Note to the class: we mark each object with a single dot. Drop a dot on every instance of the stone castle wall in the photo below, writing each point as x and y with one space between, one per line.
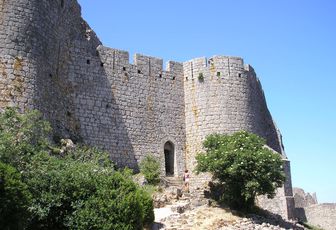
51 60
303 199
308 210
18 52
130 109
320 215
283 203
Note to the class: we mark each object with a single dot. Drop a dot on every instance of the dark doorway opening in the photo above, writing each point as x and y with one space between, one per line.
169 158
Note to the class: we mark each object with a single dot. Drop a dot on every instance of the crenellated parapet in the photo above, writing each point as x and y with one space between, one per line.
142 66
130 108
217 66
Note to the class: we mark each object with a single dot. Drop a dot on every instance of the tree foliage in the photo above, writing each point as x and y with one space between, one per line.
150 168
22 136
79 189
14 199
243 167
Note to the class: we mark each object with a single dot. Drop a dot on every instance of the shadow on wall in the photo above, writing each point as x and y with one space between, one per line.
71 86
265 125
102 122
300 214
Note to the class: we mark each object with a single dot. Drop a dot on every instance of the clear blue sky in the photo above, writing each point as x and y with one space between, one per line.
290 43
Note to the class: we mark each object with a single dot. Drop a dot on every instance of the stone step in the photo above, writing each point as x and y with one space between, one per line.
173 181
198 193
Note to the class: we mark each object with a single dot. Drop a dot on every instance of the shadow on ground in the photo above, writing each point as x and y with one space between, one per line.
257 215
156 226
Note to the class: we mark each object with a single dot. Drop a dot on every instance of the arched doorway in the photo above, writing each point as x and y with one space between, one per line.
169 158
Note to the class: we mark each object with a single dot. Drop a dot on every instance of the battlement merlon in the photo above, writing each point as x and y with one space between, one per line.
112 56
248 68
174 67
145 64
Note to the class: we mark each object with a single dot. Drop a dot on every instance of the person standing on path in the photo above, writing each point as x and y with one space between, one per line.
186 178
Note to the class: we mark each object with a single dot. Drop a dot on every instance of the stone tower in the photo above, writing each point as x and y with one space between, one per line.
222 95
51 60
36 52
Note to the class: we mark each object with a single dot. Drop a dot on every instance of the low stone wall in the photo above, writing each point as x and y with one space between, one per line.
320 215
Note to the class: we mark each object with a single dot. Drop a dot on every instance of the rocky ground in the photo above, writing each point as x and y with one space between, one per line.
176 211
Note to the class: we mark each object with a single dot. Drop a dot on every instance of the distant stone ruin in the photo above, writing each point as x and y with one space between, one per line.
303 199
308 210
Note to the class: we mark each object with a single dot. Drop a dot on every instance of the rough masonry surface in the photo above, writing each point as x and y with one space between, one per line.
51 60
307 209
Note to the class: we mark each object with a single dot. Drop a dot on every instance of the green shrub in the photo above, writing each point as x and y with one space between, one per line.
21 136
57 185
150 189
84 153
117 204
14 199
309 226
85 195
200 77
244 167
147 207
76 190
150 168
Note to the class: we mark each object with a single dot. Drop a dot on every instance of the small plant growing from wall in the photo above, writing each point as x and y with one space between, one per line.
150 168
200 77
